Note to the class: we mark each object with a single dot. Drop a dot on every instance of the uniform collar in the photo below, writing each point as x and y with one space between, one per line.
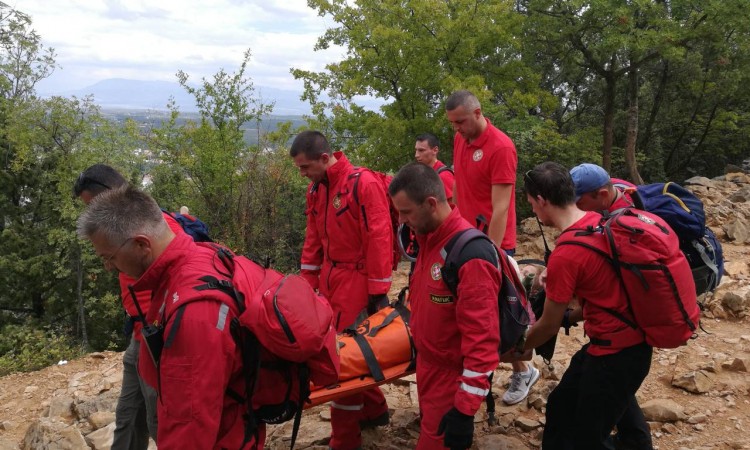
340 169
180 247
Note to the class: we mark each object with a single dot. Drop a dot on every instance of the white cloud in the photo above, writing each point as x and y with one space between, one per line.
147 40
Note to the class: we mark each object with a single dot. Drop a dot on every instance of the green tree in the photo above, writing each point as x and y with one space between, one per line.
411 55
250 196
605 60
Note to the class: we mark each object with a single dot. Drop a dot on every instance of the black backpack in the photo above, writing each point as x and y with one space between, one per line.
511 299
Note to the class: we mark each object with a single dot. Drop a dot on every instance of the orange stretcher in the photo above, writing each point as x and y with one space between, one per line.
378 350
363 383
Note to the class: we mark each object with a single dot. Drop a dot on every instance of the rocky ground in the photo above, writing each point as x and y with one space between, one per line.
695 397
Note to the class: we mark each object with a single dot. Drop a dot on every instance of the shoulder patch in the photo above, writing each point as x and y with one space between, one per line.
435 272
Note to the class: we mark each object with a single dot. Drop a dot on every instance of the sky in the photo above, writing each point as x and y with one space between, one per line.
153 39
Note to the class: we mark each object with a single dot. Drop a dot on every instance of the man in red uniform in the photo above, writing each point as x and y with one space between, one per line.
596 191
456 338
135 415
600 384
199 361
425 151
485 161
348 257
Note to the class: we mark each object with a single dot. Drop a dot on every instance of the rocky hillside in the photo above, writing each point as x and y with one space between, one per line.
696 396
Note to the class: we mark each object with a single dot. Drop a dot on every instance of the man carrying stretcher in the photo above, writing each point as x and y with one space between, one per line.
456 337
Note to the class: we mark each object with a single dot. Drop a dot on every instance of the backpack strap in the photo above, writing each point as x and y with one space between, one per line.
452 254
710 263
443 169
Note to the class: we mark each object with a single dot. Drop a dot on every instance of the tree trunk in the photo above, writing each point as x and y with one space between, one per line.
609 119
632 127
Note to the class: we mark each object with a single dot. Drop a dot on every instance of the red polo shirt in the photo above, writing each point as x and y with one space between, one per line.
489 159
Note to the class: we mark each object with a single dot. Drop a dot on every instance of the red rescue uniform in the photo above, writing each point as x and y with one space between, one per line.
456 340
578 271
348 255
489 159
200 359
143 297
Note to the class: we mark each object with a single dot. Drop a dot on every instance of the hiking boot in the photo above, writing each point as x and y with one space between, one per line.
379 421
520 383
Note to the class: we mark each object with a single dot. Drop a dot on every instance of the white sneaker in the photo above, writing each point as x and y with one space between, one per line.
520 383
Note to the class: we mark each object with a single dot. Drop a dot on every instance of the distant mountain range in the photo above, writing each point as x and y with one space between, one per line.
121 93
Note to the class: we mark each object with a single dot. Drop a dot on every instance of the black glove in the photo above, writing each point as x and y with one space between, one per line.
458 429
376 302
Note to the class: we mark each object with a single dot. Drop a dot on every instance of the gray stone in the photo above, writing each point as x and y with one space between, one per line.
6 444
735 302
527 424
106 401
403 418
741 364
62 408
742 195
737 231
499 442
662 410
101 419
51 434
537 400
702 181
101 439
697 382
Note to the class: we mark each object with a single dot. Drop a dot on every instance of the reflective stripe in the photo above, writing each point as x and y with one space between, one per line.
347 407
471 374
474 390
223 311
309 267
381 280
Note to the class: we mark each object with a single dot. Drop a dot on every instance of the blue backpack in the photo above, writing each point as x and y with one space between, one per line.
193 226
684 213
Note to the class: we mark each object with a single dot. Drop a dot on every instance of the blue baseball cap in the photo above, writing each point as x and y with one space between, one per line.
588 177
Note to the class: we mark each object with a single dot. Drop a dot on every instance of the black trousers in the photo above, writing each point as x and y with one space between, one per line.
595 394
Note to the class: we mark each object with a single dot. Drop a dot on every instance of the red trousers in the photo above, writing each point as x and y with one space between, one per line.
436 388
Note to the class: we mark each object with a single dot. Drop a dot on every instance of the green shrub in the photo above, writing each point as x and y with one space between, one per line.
29 347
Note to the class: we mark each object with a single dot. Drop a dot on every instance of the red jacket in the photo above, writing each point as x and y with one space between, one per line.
342 231
465 334
144 297
200 359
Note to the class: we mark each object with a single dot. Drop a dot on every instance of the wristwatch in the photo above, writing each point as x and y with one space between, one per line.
521 344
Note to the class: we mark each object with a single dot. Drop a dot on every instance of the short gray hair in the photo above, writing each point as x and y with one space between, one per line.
120 214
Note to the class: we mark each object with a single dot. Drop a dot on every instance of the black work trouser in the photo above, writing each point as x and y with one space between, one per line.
592 397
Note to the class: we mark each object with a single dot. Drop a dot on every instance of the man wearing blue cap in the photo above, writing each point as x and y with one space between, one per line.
596 191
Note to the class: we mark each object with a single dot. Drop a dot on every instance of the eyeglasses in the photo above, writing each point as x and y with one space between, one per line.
108 260
83 181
